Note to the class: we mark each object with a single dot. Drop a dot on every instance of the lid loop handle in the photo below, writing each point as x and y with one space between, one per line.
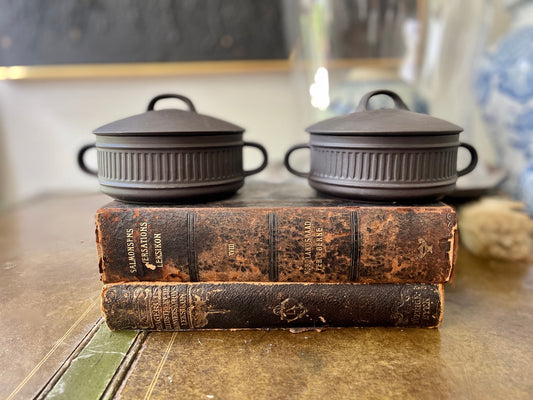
186 100
398 102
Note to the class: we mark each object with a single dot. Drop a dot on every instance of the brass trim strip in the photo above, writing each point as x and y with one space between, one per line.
66 364
50 352
130 70
158 69
148 394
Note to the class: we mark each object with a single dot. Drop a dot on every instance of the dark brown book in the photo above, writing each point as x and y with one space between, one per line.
281 233
178 306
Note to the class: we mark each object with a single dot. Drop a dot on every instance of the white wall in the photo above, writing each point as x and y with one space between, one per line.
43 123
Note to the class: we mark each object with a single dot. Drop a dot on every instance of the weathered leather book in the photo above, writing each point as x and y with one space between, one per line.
280 233
164 306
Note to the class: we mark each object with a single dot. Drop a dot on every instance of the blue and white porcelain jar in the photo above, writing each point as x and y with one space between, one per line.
504 87
526 188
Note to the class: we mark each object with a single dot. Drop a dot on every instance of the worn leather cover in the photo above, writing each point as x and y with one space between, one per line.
268 233
245 305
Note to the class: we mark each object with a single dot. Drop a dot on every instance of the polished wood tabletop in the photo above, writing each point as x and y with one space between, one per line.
52 340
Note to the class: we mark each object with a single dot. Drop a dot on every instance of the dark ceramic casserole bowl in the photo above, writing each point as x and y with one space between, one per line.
168 155
384 155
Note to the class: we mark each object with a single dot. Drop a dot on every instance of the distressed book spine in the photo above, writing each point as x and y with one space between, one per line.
163 306
361 244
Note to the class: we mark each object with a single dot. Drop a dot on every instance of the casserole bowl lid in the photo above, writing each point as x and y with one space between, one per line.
394 121
168 122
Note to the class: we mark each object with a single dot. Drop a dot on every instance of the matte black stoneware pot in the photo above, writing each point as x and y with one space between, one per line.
168 155
384 155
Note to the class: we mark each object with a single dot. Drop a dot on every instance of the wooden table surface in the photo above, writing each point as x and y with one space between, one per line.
53 343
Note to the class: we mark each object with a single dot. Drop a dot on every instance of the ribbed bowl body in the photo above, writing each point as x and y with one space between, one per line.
169 168
384 168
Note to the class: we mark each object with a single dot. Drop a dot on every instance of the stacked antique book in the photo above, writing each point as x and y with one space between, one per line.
274 256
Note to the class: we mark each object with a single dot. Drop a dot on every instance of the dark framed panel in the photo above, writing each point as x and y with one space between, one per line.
70 32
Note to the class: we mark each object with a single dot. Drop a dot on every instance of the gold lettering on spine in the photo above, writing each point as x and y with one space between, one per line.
158 250
130 249
308 247
314 249
320 250
426 309
175 308
417 307
166 308
231 249
143 240
156 308
182 309
190 308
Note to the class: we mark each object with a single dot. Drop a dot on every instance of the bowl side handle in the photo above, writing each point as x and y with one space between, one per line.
81 159
287 163
473 159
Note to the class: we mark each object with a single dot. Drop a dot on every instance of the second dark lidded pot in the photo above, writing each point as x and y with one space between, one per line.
384 155
168 155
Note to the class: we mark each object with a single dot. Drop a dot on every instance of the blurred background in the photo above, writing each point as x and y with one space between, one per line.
273 67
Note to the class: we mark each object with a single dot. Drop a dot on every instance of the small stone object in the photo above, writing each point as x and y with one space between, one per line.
497 228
